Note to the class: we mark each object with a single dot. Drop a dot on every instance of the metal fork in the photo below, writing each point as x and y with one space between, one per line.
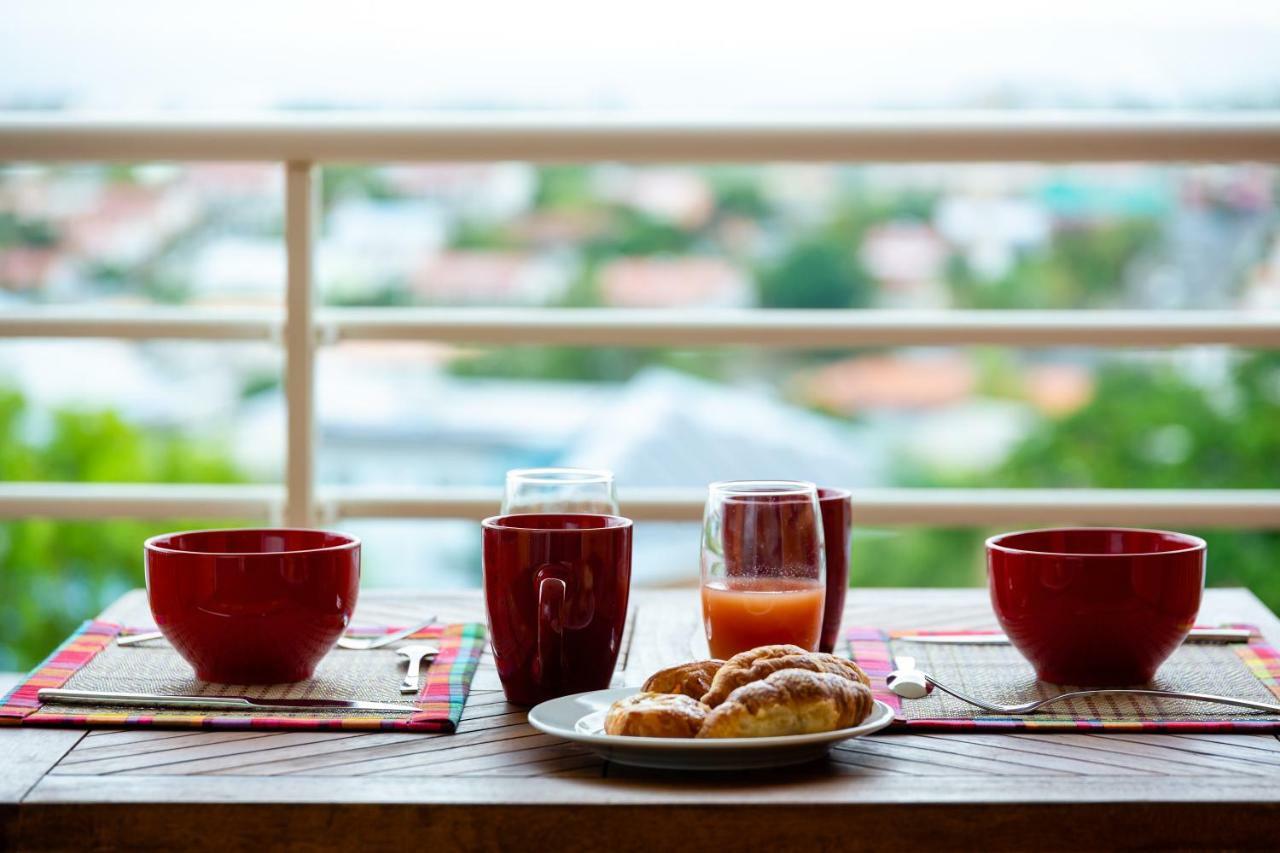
140 637
907 679
414 653
364 644
344 642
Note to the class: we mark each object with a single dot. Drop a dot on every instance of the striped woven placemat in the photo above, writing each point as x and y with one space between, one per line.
998 673
91 660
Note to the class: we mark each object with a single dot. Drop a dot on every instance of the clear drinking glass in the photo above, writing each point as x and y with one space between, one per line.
763 565
544 490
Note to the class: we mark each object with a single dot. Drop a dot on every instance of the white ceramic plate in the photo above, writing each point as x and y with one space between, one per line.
580 718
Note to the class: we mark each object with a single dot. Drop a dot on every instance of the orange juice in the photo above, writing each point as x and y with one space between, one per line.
742 613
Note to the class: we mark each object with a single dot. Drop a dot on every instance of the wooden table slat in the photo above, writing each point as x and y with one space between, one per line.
1154 756
1018 760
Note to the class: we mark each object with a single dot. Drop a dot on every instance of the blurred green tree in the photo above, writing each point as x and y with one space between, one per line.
36 233
1081 267
1150 427
564 364
476 236
816 273
633 232
1147 426
55 573
347 181
564 186
946 557
740 194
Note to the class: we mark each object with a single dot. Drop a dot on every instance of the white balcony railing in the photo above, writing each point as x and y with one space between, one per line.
301 144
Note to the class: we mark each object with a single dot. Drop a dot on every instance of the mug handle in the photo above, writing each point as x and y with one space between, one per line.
551 595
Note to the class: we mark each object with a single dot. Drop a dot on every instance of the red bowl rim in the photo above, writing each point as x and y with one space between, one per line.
153 544
503 522
1193 543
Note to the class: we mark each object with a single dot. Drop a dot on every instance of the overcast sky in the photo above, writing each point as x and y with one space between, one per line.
690 55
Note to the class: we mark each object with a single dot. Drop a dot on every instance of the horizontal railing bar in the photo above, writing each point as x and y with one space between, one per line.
802 328
477 502
141 322
1226 508
1258 509
648 327
139 500
549 137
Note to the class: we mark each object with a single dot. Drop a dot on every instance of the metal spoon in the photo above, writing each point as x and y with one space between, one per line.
414 652
907 679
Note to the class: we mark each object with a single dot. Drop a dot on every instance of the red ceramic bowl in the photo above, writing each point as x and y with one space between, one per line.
253 606
1096 606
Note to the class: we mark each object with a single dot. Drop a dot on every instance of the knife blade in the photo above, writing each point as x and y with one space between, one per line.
150 700
1197 635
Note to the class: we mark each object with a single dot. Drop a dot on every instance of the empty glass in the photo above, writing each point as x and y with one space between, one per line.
559 490
763 565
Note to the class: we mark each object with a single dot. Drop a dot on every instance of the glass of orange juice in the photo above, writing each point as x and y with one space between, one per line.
763 565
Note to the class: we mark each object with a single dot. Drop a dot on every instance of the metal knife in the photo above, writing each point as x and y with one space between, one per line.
1197 635
148 700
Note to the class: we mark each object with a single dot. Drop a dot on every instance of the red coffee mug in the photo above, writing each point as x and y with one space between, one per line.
253 606
1096 606
837 524
555 588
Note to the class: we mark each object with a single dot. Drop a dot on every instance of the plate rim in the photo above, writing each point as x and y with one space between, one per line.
873 723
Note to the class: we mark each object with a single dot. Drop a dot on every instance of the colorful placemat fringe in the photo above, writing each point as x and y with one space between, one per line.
440 701
873 649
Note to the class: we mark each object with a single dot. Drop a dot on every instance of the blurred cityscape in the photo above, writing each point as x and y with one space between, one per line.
613 236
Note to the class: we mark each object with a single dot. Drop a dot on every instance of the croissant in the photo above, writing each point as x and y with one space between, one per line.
655 715
790 702
691 679
756 664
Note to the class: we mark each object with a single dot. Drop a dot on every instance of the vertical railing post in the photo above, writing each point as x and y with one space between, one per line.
301 210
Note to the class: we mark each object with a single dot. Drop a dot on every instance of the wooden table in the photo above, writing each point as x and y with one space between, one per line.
499 783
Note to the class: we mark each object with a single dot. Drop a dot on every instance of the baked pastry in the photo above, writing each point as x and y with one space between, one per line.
756 664
731 675
790 702
655 715
691 679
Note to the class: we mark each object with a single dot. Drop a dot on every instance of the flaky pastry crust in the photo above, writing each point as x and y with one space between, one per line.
790 702
757 664
692 679
655 715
